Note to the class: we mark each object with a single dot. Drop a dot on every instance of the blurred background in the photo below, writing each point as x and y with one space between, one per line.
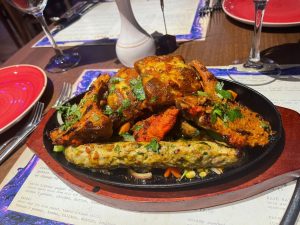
16 28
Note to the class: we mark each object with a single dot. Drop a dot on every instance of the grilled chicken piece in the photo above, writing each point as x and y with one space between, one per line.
208 80
179 154
217 111
154 83
156 126
92 125
126 96
166 78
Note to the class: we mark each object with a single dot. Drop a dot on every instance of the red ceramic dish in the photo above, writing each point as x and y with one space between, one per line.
278 13
21 86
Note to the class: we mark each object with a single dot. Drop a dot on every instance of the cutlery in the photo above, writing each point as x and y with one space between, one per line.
217 6
292 211
65 94
73 14
206 9
10 145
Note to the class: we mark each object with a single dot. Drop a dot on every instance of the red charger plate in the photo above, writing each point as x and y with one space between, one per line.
21 86
278 13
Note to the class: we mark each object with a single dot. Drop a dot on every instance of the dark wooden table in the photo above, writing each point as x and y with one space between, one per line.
227 40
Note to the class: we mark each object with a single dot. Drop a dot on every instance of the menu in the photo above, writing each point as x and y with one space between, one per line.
43 197
102 24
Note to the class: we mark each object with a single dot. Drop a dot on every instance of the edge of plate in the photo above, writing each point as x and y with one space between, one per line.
17 119
251 22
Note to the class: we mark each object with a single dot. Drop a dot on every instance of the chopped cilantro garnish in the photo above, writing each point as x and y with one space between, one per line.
95 98
265 126
153 99
127 137
95 117
125 105
224 113
137 89
117 148
153 146
115 80
222 93
112 89
233 114
137 127
108 110
202 93
71 114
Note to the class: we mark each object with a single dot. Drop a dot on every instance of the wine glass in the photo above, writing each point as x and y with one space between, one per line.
255 64
62 61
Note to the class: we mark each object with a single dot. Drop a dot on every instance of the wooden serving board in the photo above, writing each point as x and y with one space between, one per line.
284 168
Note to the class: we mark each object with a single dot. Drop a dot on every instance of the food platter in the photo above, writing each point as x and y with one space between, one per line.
21 86
278 13
258 157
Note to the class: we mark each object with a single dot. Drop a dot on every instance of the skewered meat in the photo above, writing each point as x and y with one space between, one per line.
180 154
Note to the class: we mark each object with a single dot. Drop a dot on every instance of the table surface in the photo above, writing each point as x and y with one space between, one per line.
226 41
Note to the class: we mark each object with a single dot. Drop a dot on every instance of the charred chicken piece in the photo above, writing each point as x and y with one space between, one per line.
91 124
166 78
125 100
155 82
156 126
208 80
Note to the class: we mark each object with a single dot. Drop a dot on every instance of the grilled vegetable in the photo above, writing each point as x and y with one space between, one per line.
180 154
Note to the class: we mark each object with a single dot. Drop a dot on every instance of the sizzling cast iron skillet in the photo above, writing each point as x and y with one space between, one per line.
255 157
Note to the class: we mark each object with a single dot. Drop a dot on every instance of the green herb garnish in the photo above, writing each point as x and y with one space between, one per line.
127 137
153 146
115 80
153 99
58 148
125 105
71 114
108 110
95 117
234 114
117 148
222 93
265 126
224 113
202 93
137 127
138 89
112 89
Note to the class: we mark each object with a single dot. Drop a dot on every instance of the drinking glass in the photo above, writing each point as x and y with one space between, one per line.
255 63
62 61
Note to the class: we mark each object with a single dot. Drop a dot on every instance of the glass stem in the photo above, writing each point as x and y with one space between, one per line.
260 6
40 17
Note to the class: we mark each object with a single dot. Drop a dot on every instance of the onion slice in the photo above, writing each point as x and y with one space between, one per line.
142 176
59 118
